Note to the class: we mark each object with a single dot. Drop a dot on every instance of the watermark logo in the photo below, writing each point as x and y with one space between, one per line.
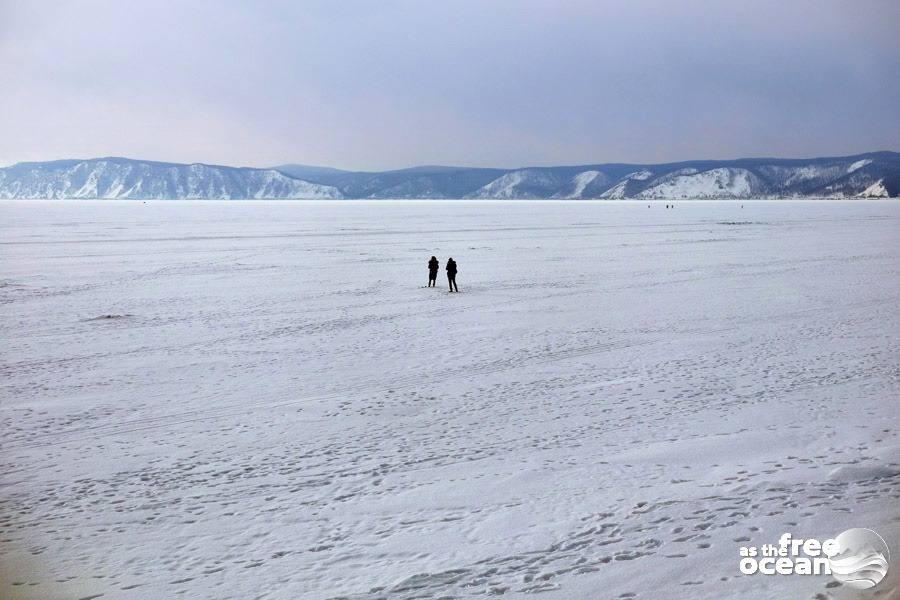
858 558
861 560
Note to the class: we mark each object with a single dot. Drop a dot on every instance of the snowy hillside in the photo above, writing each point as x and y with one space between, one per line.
876 174
876 190
527 183
621 189
586 184
842 177
112 178
715 183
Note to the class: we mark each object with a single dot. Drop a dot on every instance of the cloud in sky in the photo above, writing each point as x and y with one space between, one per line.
385 84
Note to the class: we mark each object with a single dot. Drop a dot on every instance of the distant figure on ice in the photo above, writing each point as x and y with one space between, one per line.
451 274
433 266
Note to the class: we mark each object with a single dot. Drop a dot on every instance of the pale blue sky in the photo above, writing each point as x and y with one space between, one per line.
389 84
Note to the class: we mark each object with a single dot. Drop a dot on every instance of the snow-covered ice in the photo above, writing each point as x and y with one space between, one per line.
263 400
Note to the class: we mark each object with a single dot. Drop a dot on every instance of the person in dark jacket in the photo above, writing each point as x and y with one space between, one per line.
451 274
433 266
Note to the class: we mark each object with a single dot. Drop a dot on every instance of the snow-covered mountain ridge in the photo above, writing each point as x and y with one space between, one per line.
876 174
864 175
115 178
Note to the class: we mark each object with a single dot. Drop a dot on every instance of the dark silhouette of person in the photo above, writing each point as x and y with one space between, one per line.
451 274
433 266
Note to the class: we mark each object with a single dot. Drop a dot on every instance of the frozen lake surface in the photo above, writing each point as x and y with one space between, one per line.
263 400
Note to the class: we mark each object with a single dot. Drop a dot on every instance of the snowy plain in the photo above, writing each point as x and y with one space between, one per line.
263 400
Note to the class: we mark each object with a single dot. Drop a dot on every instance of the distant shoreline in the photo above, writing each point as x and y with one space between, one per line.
874 174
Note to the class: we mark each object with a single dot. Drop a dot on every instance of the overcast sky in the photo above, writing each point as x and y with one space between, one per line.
389 84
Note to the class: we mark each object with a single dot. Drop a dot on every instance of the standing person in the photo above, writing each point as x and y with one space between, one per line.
433 266
451 274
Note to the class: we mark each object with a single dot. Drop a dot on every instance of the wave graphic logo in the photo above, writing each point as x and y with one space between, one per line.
861 560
